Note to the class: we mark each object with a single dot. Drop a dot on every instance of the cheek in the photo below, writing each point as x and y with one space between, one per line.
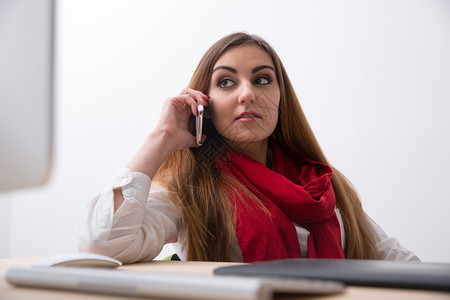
220 113
272 104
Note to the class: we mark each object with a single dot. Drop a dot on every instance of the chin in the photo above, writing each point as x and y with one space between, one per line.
247 139
238 135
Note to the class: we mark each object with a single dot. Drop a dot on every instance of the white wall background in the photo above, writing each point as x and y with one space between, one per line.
372 76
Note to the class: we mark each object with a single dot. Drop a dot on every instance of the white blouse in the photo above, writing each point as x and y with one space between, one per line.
147 220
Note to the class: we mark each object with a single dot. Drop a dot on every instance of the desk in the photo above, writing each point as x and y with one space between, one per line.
8 291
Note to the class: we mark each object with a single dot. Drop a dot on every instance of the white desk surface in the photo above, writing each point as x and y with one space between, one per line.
8 291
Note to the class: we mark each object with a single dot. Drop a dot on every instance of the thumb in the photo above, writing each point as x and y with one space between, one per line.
195 144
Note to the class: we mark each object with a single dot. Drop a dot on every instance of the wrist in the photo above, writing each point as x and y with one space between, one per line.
156 148
162 142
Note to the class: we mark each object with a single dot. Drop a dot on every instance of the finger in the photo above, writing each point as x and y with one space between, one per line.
192 102
194 142
190 141
197 95
185 99
181 101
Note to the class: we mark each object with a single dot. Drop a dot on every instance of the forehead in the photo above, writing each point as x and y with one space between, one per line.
244 55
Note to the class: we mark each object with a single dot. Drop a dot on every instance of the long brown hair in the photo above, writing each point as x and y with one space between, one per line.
201 191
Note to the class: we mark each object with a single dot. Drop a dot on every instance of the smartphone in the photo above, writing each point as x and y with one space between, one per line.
199 124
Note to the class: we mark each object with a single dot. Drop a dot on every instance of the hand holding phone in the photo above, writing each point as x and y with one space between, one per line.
199 124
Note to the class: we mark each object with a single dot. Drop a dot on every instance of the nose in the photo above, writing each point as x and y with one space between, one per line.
246 94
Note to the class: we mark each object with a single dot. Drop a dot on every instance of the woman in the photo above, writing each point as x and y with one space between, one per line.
259 188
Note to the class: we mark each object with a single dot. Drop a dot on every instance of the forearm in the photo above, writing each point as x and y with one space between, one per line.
147 160
153 152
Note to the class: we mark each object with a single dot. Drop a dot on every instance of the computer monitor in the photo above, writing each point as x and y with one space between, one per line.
26 76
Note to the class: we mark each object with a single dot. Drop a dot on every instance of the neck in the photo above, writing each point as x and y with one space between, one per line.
255 150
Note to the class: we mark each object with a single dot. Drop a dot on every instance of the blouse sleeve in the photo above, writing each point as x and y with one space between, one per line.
138 230
390 248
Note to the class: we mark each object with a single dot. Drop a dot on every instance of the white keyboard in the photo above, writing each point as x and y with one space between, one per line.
165 286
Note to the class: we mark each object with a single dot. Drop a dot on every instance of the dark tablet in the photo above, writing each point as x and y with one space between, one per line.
432 276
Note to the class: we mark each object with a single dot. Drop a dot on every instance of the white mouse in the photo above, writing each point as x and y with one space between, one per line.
78 259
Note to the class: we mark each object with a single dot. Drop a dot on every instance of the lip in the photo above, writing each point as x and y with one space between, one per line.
248 116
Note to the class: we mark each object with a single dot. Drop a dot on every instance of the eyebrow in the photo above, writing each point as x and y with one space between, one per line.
233 70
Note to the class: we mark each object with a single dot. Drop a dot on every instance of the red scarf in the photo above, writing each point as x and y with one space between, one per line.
293 192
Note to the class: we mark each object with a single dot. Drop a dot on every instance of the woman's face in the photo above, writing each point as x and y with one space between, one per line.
244 95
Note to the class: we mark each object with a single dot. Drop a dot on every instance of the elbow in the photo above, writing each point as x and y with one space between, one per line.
91 245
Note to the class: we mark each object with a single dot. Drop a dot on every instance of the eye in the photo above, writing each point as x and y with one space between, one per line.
262 80
225 83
